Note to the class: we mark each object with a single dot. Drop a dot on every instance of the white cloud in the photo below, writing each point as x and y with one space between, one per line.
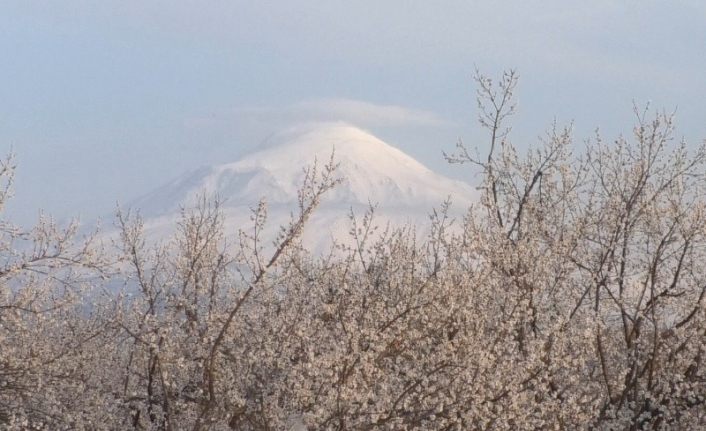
366 114
355 112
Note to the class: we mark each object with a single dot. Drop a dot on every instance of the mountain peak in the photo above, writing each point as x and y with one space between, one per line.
372 172
300 146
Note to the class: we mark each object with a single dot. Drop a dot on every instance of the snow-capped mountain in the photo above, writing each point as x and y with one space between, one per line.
372 172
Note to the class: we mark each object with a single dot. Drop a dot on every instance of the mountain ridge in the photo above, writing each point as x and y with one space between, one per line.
372 171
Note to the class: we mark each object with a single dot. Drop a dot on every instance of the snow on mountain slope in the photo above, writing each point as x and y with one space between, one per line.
404 190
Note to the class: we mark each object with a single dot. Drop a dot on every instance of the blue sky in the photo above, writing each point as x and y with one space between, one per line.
105 100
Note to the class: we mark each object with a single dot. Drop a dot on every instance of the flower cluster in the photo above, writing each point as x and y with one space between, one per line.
571 296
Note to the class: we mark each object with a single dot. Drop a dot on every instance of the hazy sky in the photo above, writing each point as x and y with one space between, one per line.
105 100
